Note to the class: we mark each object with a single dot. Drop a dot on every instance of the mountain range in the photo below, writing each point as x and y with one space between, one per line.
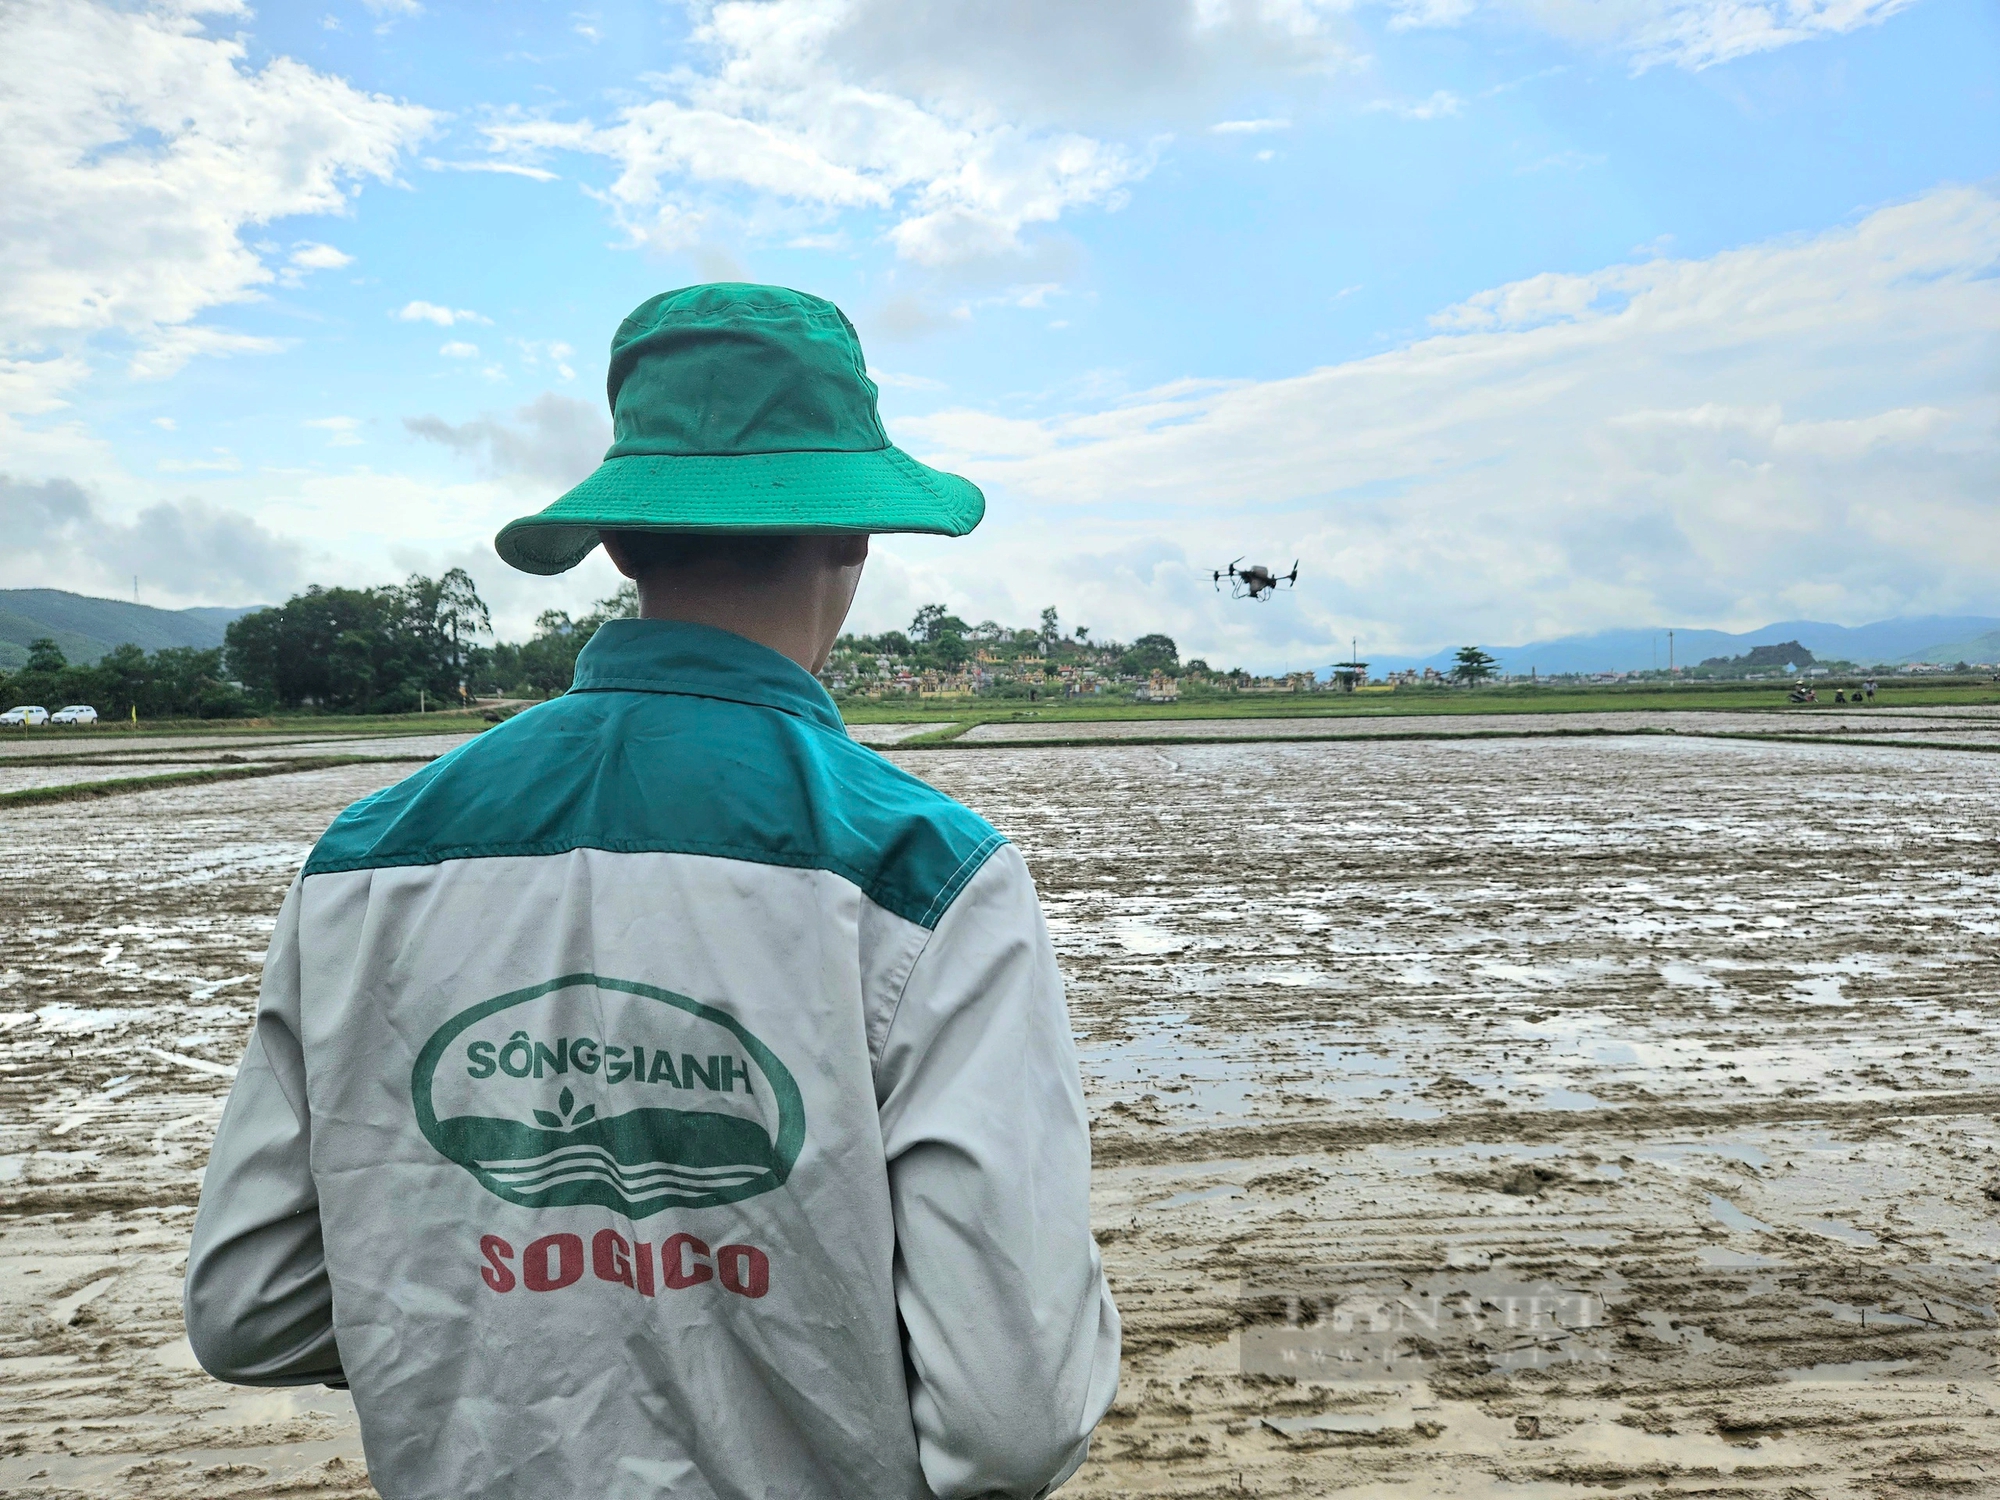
1938 638
86 628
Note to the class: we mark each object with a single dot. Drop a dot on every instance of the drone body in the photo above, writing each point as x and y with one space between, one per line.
1255 581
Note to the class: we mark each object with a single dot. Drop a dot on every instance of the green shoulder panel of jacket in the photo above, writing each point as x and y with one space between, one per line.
678 739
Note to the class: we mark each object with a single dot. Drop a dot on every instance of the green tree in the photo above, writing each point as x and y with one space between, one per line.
442 618
933 623
385 650
44 655
1474 665
180 682
1051 630
1148 654
546 664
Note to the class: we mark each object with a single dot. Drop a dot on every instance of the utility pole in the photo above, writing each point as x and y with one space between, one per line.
135 588
1670 651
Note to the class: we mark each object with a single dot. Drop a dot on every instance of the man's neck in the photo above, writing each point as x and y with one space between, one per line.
769 621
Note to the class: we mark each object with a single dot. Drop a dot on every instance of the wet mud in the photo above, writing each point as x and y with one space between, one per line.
1698 1029
1975 725
1509 1117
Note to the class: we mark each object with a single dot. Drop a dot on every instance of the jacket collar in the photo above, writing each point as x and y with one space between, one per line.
699 661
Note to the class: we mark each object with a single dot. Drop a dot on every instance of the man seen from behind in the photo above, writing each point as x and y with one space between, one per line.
662 1095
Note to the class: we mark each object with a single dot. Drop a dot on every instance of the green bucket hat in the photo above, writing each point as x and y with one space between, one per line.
746 409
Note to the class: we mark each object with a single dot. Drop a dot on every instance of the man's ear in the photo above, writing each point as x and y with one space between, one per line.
614 548
847 549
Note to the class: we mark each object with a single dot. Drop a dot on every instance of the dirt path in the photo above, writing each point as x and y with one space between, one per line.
1518 1117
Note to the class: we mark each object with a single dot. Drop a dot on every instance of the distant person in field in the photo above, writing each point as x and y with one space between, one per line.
662 1094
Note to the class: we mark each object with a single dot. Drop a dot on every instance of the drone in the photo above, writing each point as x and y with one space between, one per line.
1255 581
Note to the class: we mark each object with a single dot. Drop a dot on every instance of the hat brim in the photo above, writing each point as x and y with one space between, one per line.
882 490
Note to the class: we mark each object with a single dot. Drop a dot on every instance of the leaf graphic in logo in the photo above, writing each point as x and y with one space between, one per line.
588 1112
565 1102
544 1117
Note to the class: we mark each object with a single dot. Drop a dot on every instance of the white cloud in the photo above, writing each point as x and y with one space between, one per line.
342 432
165 424
1692 34
187 549
890 381
1409 13
507 168
790 112
136 151
35 380
168 349
1113 63
551 443
555 351
431 312
1440 104
1800 427
309 255
457 349
960 128
219 461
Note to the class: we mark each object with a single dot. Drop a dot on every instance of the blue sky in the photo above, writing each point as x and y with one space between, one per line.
1508 318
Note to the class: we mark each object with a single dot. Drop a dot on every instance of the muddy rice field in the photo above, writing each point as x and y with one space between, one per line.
1527 1117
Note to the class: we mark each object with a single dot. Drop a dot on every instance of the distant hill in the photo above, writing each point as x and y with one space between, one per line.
1983 647
1943 638
86 628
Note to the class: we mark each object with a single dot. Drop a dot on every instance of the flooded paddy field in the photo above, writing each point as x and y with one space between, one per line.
1954 724
1526 1117
136 762
26 764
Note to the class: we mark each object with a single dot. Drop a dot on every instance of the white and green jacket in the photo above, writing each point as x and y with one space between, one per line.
664 1095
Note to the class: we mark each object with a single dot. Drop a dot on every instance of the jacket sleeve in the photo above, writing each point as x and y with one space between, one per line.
1011 1334
258 1304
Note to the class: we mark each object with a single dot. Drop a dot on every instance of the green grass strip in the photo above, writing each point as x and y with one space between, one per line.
931 738
1864 741
1078 742
85 791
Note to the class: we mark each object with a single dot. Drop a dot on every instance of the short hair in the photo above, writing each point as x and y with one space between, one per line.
738 551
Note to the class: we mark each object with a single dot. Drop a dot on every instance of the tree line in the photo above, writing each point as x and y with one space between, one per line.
387 650
419 644
180 682
938 640
404 647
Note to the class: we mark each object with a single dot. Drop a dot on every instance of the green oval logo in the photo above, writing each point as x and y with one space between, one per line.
588 1090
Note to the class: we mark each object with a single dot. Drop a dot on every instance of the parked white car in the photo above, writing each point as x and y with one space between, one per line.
75 713
26 715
